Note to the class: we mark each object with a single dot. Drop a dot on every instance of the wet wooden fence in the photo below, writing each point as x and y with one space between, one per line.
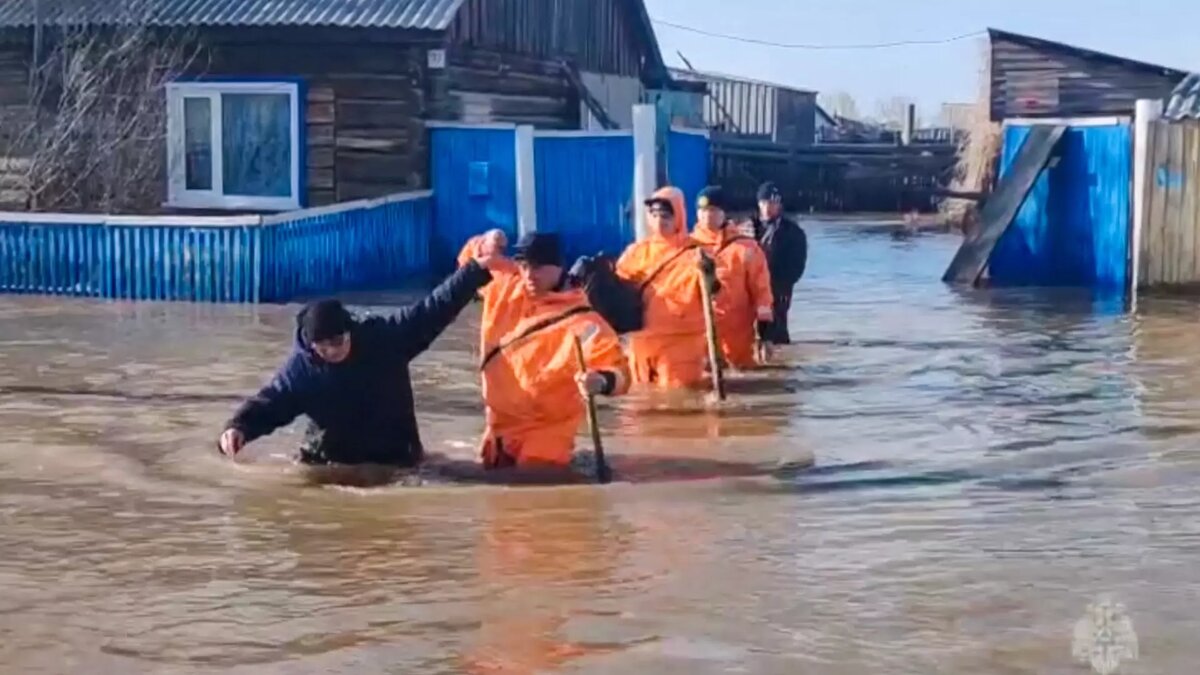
835 177
1169 250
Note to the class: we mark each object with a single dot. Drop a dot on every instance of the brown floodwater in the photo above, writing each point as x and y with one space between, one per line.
986 464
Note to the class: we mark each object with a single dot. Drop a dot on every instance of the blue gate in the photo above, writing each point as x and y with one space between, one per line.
1073 229
688 163
584 190
475 187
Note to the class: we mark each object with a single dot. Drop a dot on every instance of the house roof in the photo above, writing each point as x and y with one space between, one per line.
1039 43
436 15
1185 100
409 14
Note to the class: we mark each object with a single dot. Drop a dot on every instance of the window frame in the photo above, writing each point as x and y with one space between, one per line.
178 195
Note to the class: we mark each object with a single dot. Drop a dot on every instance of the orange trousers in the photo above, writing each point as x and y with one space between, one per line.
669 361
526 446
737 340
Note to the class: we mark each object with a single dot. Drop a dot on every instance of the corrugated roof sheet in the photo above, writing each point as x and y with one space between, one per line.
1185 100
411 14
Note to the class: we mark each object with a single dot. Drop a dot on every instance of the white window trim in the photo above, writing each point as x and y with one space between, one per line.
178 196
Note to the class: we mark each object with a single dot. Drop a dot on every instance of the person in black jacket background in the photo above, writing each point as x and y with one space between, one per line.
786 246
350 377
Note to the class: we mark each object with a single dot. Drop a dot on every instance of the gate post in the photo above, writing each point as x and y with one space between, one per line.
645 162
1146 112
526 181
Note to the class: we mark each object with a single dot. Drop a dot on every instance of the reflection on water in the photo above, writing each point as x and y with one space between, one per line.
987 463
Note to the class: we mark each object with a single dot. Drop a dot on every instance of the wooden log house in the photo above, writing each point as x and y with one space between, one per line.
340 93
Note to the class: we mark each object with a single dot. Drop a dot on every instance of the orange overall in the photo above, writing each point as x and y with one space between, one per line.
745 296
533 405
670 351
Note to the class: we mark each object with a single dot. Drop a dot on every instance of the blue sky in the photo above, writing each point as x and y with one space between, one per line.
1165 32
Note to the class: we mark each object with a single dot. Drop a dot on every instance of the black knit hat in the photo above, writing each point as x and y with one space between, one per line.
324 319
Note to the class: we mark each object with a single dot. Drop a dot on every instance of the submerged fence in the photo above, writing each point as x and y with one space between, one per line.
356 245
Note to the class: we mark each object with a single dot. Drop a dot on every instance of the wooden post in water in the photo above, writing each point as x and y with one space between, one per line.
910 124
710 326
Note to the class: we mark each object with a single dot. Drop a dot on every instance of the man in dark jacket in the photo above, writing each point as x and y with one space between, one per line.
350 377
786 246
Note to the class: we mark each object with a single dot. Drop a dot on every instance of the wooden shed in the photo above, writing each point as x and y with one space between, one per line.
747 107
299 103
1036 78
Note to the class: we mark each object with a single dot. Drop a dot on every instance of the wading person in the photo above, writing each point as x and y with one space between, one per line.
670 352
533 390
786 247
350 378
745 297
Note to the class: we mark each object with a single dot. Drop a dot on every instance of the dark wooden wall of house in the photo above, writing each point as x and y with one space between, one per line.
1036 80
15 53
366 101
595 34
482 86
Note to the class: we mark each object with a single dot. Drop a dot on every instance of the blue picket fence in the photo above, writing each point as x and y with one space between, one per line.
585 190
381 244
366 244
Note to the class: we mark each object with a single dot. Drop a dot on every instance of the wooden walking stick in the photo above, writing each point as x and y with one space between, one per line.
603 472
707 280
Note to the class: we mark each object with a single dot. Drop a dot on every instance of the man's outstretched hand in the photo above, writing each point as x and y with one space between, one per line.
232 442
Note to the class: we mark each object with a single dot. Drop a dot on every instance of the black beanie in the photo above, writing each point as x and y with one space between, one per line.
324 319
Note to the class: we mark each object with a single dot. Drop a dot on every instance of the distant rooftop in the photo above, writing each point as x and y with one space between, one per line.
688 74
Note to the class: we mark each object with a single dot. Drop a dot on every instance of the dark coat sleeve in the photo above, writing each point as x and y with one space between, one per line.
790 255
275 405
415 327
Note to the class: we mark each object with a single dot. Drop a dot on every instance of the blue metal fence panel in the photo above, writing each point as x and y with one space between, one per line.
1073 229
134 262
584 191
376 247
475 188
373 245
687 165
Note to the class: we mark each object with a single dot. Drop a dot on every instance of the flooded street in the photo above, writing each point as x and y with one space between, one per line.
987 463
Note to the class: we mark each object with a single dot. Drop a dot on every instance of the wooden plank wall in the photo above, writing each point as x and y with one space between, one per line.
14 116
596 34
1170 242
480 86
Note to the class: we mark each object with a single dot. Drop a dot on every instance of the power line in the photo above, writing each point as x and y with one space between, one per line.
784 45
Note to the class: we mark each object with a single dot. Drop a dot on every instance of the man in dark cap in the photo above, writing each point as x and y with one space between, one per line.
350 377
786 247
533 390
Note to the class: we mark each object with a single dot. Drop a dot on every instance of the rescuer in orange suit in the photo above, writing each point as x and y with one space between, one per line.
670 351
742 272
532 387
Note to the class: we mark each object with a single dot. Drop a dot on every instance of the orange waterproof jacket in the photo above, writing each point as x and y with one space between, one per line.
745 295
528 364
670 350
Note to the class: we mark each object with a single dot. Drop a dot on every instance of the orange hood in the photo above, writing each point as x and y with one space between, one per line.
675 196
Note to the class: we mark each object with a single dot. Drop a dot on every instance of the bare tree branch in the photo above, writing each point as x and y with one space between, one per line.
94 136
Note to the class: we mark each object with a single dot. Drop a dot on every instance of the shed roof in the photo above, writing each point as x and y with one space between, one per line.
1040 43
408 14
712 76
